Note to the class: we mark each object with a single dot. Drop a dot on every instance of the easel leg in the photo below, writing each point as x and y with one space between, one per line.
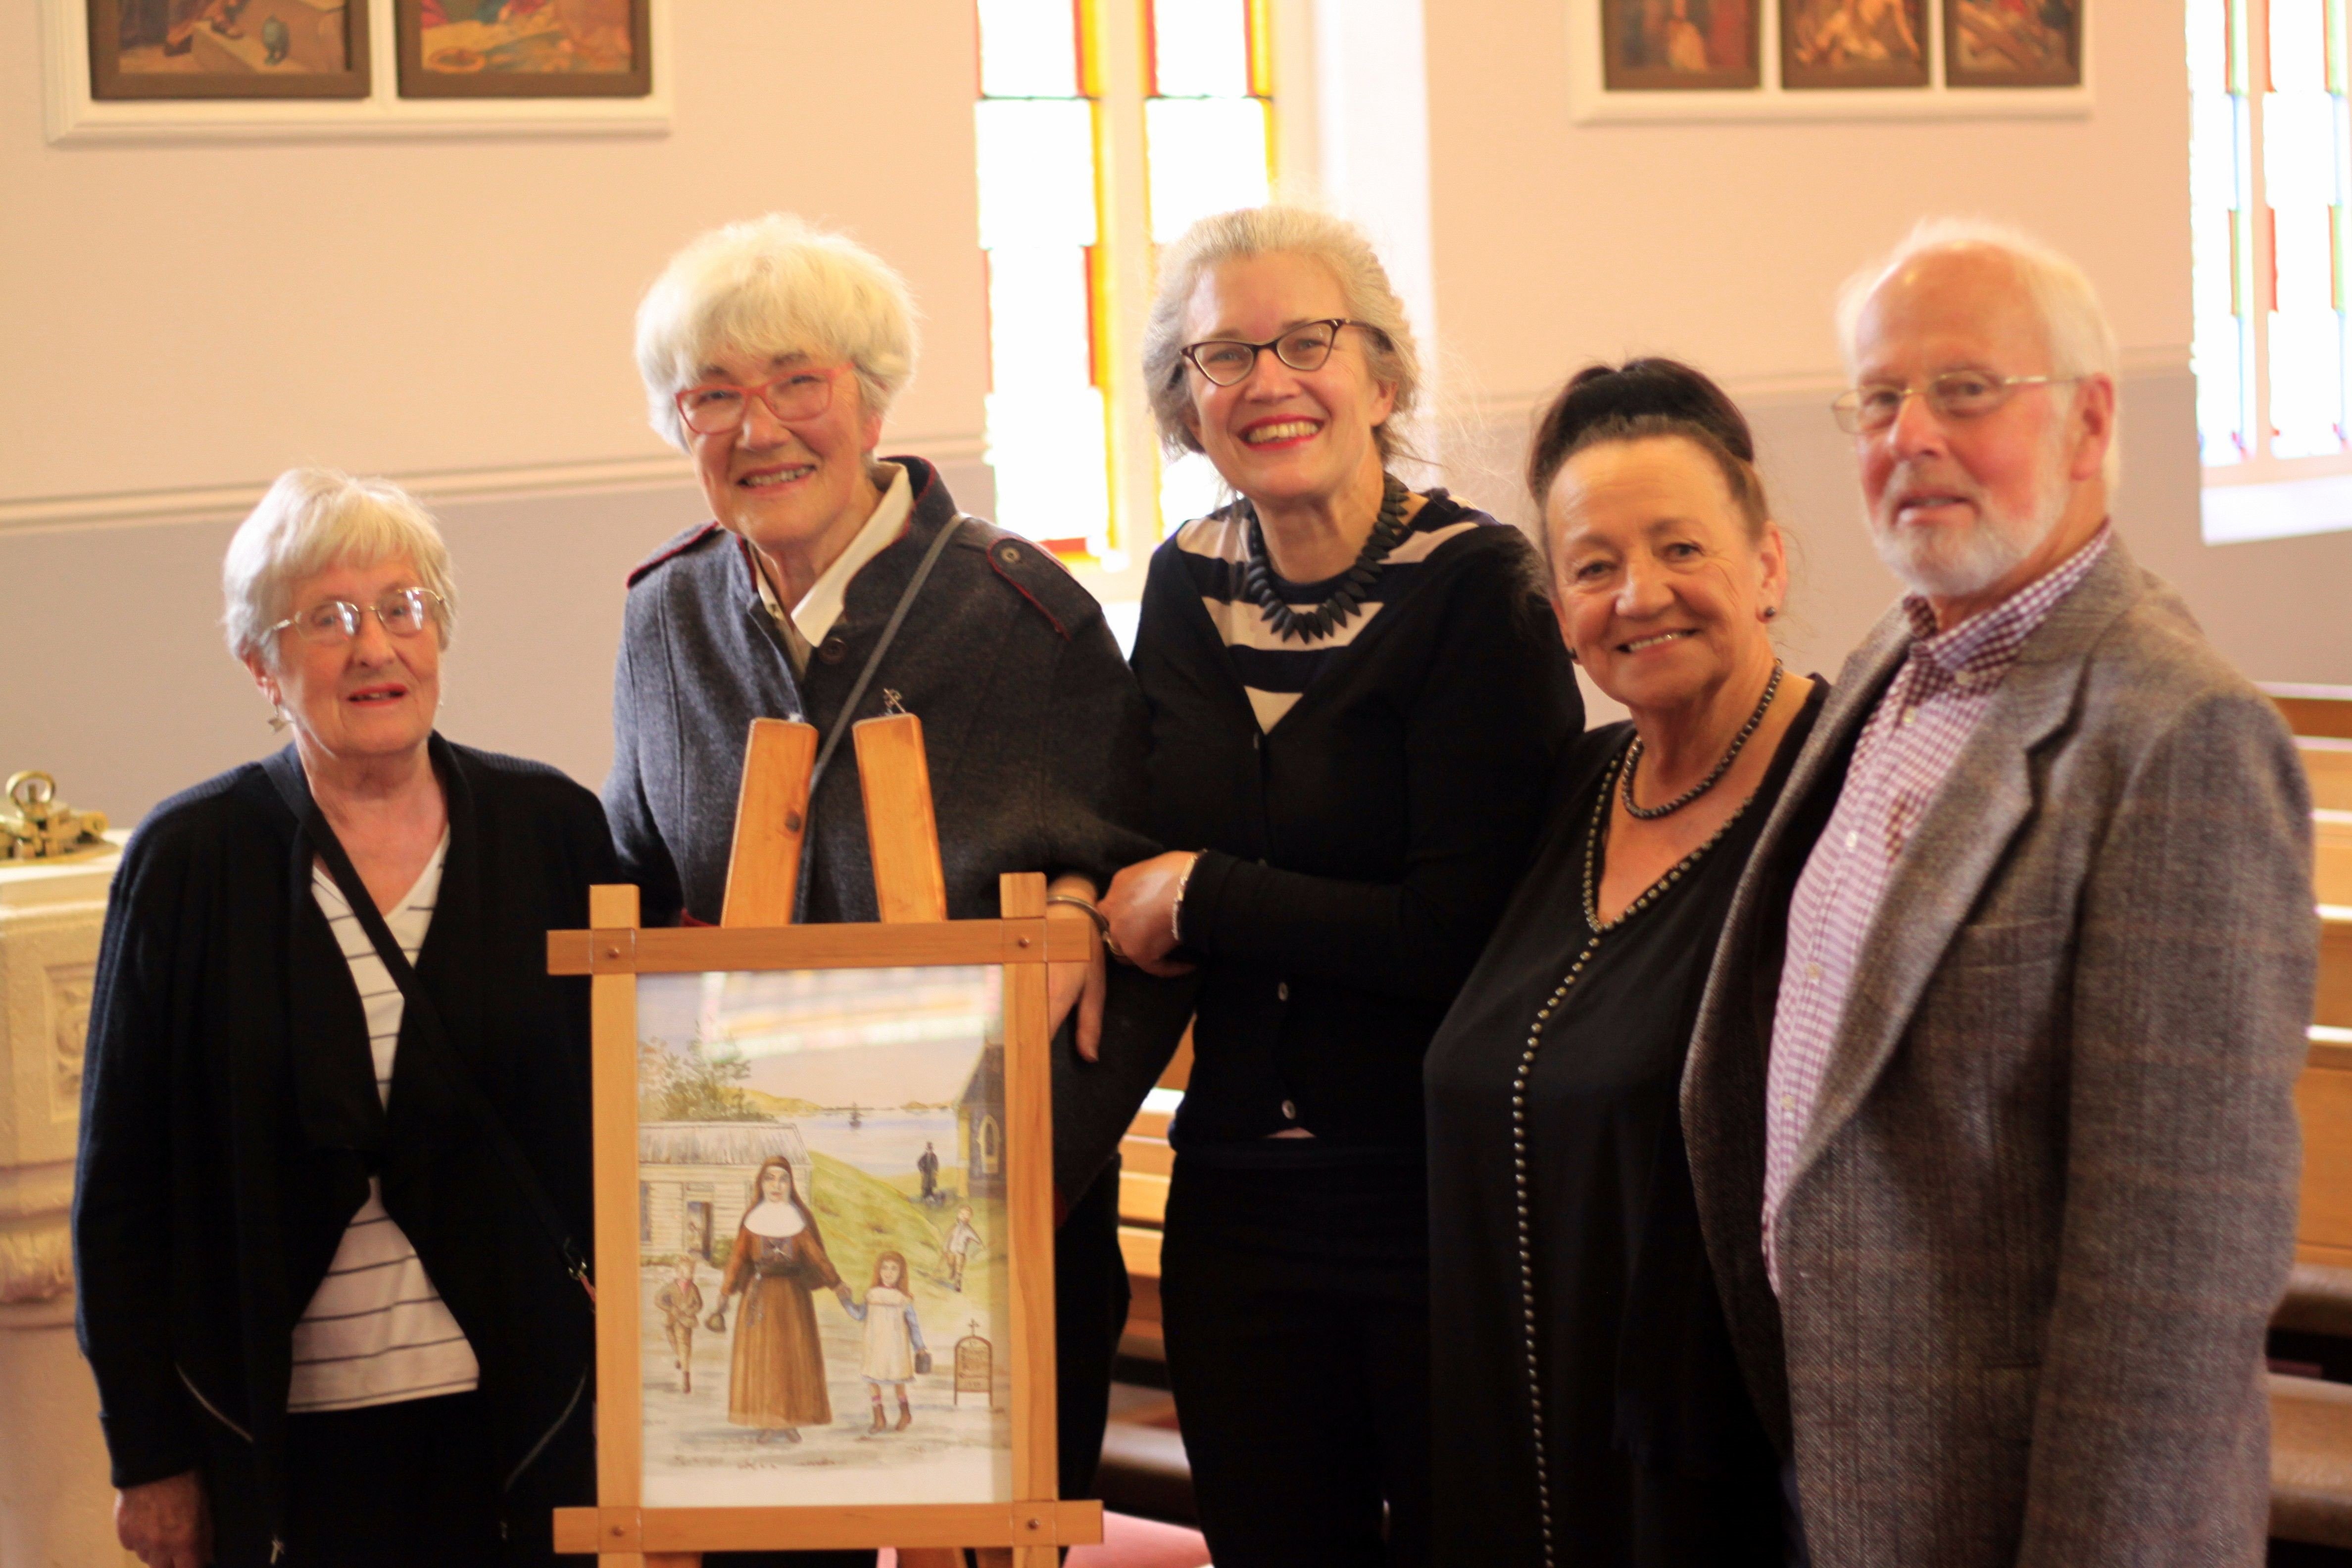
673 1560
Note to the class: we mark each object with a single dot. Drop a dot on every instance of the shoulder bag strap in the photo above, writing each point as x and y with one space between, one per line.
874 660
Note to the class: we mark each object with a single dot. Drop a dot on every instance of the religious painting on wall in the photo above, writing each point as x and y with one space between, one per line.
1853 43
525 48
227 48
1679 44
2013 43
823 1237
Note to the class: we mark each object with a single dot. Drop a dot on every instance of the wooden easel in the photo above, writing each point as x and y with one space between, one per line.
755 933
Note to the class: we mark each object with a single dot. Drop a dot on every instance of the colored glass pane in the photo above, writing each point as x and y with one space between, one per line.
2222 349
1207 155
1028 48
1200 48
1036 172
1190 488
2303 184
1051 460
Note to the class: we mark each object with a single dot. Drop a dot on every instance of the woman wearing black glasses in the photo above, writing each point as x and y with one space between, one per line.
332 1209
1356 696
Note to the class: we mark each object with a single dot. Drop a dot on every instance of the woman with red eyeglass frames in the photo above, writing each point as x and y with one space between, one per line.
770 350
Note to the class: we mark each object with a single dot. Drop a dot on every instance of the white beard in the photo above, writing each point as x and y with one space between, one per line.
1947 563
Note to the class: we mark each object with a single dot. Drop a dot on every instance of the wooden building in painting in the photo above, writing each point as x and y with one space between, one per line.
694 1180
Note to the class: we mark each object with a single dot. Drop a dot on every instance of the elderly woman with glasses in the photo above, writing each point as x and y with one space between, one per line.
334 1197
1355 698
828 581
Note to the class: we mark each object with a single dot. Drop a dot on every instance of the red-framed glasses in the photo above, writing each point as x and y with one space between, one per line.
715 407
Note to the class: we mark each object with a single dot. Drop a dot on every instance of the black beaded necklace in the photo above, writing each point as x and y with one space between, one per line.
1258 575
1633 759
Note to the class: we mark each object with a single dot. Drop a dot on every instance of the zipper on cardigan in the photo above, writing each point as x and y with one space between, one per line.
210 1408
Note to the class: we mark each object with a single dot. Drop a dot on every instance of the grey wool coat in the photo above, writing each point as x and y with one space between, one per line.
2047 1199
1033 727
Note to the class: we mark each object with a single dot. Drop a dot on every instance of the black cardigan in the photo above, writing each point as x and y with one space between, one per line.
1357 857
204 1214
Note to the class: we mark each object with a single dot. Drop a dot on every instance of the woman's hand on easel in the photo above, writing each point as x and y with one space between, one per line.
1079 985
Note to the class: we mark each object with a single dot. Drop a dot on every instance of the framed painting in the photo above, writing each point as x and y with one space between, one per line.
823 1235
227 48
1853 43
525 48
2013 43
1669 45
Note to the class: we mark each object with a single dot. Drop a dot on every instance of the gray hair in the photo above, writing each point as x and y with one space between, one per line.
1248 232
311 520
2074 327
767 285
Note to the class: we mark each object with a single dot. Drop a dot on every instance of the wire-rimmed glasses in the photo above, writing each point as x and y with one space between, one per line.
717 408
1955 394
402 613
1227 362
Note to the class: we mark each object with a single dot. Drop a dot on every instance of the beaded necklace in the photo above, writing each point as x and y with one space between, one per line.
1594 837
1308 626
1738 743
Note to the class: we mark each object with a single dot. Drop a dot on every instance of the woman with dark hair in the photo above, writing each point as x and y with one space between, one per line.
776 1381
1593 1409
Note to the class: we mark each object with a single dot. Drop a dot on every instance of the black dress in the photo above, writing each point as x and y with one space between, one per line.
1649 1449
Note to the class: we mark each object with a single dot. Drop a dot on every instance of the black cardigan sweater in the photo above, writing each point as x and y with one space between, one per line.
1356 858
207 1203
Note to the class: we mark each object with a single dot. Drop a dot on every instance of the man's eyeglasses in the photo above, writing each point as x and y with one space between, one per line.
1227 362
402 613
715 407
1955 394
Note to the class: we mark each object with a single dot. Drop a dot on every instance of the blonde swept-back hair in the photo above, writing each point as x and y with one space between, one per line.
313 519
2074 325
774 285
1364 292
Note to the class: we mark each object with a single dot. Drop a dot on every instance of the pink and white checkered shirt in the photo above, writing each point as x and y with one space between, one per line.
1904 753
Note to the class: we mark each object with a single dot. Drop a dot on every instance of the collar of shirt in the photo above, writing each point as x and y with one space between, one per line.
1988 642
821 605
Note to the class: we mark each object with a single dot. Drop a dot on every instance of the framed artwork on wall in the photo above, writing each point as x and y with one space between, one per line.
1854 44
1680 44
525 48
2013 43
151 49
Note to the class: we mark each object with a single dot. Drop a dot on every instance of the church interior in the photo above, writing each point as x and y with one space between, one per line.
198 293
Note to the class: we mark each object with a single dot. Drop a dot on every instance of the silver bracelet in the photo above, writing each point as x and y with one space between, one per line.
1176 910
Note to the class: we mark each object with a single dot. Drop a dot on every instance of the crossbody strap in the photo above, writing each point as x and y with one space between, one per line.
874 660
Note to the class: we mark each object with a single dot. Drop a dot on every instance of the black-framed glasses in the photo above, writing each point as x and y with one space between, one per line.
1955 394
402 613
1225 361
715 407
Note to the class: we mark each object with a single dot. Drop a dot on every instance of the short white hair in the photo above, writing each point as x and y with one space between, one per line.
1364 293
311 520
770 286
2074 326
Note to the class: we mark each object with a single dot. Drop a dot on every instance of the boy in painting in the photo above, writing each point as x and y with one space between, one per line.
957 1248
681 1303
893 1337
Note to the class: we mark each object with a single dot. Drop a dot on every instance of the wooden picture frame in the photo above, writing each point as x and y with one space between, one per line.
1839 44
1681 45
593 48
1987 44
212 49
623 1529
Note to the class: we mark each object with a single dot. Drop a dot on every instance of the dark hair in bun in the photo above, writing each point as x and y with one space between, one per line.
1641 399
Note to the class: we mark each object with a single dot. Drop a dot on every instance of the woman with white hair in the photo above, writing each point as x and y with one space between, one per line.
332 1214
1356 696
828 583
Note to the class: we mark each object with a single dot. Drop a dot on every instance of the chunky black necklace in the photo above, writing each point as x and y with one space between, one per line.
1633 759
1258 575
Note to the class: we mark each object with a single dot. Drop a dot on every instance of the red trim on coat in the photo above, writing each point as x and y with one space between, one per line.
680 548
997 566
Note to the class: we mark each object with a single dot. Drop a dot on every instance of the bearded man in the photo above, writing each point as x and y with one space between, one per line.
1990 1104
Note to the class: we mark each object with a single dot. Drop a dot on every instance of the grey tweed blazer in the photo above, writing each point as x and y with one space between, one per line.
2047 1200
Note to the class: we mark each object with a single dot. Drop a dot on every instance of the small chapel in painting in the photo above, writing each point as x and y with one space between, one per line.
980 1127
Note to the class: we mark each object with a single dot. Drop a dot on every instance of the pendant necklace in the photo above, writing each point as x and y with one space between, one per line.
1633 759
1342 607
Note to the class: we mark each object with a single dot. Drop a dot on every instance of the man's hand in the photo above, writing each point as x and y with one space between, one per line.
1079 985
167 1523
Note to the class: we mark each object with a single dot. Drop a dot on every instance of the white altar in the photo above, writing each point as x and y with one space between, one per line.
55 1507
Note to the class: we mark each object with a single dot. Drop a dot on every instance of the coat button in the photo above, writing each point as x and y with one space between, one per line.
1009 554
1289 1112
1282 990
833 650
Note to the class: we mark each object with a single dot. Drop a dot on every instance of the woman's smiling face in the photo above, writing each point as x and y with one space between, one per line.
1660 588
372 697
787 485
1281 434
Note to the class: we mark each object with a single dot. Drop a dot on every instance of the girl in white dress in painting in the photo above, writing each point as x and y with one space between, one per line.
893 1337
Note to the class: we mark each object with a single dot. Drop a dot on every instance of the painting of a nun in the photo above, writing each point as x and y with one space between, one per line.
777 1386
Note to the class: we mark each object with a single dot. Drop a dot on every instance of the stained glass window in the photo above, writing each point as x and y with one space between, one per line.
2221 259
2302 118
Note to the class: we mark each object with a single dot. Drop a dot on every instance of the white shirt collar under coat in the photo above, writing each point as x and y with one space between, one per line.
814 616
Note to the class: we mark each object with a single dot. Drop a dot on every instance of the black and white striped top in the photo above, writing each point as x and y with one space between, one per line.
377 1331
1276 672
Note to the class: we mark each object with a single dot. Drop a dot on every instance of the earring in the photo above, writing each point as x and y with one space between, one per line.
1770 611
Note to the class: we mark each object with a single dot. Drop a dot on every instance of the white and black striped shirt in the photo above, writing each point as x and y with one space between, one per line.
1276 672
377 1331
